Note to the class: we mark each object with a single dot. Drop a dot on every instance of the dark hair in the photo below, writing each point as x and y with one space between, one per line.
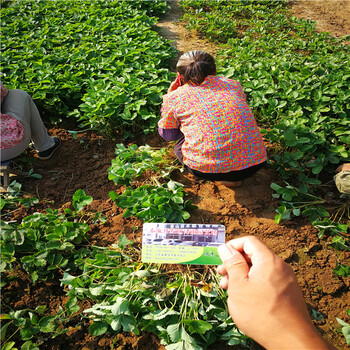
195 66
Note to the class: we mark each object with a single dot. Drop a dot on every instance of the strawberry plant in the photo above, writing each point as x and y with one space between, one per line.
186 310
43 243
32 325
133 161
13 198
154 203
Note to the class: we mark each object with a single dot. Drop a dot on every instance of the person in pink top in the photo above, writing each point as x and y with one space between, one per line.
218 138
20 123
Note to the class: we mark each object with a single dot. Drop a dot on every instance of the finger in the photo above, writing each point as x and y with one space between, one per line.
236 266
221 269
224 283
252 249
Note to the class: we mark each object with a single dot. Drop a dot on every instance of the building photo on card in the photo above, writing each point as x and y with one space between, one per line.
171 243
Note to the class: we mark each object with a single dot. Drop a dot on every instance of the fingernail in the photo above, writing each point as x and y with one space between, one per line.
224 252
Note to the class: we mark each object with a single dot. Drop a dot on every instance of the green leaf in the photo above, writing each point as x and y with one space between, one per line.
80 200
29 345
342 270
46 324
186 215
304 140
186 337
9 345
313 181
36 176
96 291
116 324
98 328
71 306
68 211
34 276
113 195
27 333
296 212
284 213
8 248
278 218
129 323
5 317
141 273
160 314
123 241
345 330
3 331
183 345
177 199
67 278
198 326
174 332
317 169
120 307
340 243
275 186
40 309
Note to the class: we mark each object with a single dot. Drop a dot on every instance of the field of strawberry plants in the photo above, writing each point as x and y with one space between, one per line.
71 274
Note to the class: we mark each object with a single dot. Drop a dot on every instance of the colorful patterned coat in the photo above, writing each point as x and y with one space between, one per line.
221 134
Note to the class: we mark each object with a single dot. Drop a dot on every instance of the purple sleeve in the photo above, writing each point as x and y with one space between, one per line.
170 134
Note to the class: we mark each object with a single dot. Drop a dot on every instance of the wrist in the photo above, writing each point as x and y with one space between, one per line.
306 338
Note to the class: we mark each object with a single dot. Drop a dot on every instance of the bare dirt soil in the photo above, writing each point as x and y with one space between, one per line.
248 210
331 16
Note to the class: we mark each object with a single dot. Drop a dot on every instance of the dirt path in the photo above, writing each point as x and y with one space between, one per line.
171 28
248 210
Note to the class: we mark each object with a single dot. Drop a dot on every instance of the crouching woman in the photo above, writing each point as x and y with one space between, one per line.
218 138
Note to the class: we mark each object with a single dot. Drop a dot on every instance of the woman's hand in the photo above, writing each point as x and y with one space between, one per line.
264 297
175 84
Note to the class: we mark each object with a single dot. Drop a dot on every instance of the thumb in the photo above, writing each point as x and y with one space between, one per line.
234 262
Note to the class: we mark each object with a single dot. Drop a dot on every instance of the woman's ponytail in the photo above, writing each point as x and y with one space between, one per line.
195 66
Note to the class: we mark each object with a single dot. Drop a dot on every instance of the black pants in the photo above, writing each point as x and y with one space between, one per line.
232 176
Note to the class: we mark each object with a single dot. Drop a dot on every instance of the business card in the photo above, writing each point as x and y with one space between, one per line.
166 243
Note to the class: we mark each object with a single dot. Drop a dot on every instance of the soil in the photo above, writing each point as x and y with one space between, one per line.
82 162
332 16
